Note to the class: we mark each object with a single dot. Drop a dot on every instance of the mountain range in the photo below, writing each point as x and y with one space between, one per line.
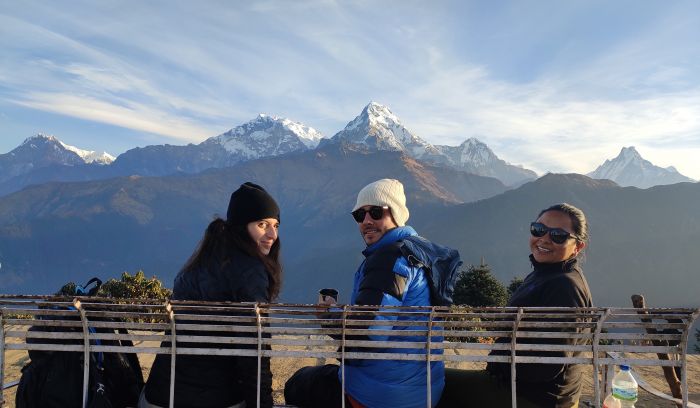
375 129
43 158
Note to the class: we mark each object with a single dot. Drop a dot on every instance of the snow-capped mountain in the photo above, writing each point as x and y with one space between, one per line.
264 136
630 169
476 157
267 136
41 151
377 128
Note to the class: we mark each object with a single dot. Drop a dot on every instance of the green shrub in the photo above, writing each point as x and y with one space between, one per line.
135 286
478 287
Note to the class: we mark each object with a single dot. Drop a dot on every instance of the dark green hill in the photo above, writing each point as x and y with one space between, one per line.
641 241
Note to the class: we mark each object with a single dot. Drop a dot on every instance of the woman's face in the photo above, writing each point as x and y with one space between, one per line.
264 233
546 251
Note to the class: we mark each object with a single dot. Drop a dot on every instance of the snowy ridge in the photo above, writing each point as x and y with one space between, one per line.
37 153
629 168
471 152
90 156
267 136
378 128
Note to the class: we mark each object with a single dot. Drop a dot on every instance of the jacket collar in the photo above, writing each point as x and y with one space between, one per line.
563 266
391 236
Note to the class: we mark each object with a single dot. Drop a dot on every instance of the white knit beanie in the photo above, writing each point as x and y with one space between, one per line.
385 192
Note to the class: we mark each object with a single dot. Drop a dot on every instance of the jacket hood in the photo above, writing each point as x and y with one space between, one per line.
441 264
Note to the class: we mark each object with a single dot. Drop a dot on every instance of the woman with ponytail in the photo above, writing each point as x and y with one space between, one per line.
237 261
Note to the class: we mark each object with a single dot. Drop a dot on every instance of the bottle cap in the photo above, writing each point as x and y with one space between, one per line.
625 367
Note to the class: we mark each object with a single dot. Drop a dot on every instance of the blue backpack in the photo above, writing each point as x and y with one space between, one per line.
440 263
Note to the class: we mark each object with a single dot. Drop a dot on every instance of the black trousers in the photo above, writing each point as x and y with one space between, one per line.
315 387
476 388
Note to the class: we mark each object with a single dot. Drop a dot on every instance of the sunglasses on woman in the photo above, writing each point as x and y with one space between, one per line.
375 212
557 235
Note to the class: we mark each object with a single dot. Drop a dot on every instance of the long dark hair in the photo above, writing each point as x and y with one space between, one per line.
215 249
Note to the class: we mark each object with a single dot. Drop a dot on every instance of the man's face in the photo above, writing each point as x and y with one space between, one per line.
372 230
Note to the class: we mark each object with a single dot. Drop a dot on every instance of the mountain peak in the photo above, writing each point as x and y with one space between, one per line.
476 157
476 152
40 137
378 128
629 153
267 135
475 144
308 135
376 112
629 168
52 142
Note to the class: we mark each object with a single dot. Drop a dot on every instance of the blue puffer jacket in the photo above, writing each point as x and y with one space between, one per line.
386 278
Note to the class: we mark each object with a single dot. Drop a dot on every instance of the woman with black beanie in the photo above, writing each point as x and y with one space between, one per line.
238 261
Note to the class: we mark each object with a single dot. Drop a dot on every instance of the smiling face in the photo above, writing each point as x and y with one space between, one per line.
373 230
546 251
264 233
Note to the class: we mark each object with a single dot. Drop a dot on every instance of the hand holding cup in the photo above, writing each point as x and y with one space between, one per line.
327 297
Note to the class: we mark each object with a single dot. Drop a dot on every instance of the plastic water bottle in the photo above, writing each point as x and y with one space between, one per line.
611 402
624 387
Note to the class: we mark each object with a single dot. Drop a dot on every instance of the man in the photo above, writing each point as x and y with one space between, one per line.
400 269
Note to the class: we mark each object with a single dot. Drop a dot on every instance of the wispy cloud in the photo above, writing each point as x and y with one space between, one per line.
535 83
129 115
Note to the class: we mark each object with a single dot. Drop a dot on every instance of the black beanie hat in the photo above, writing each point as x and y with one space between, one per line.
251 203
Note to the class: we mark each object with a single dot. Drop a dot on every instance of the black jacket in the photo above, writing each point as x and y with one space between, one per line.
559 284
215 381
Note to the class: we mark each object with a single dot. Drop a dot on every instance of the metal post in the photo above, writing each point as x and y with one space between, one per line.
342 358
258 321
513 395
173 351
2 360
596 357
427 355
86 350
609 374
684 357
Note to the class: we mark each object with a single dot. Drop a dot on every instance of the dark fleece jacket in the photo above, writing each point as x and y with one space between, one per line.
559 284
215 381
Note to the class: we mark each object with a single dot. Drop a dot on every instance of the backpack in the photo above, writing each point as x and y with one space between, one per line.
440 263
54 379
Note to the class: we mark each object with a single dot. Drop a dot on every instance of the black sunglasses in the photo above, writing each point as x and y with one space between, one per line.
375 212
557 235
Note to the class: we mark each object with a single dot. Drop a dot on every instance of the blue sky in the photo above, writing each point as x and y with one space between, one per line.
552 85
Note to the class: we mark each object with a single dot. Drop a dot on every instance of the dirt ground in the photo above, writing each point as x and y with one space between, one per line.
283 368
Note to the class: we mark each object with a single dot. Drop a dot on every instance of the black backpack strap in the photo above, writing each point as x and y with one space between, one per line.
86 290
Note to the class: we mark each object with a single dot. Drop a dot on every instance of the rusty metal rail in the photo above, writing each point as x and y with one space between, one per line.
533 335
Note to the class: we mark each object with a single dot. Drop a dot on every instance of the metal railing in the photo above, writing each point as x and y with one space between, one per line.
532 335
